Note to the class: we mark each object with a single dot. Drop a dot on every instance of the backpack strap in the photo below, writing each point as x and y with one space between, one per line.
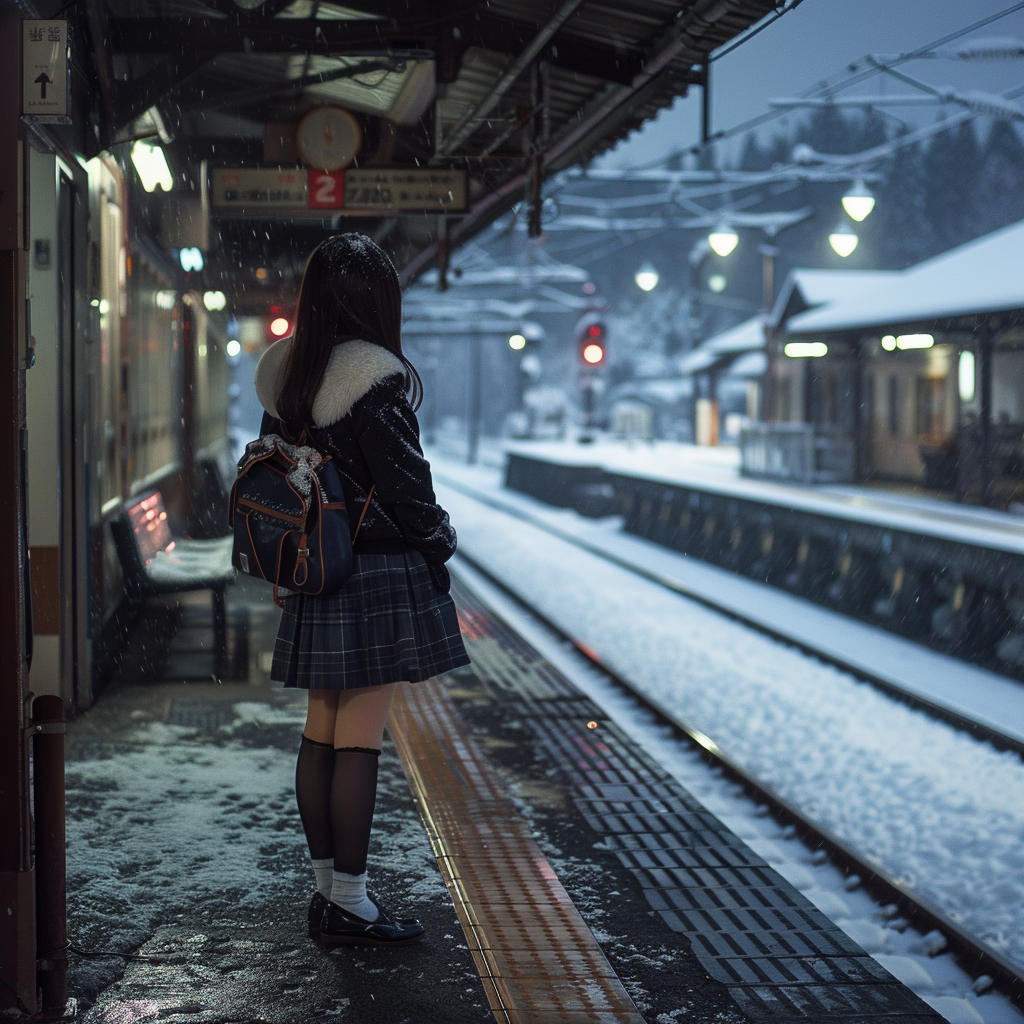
362 515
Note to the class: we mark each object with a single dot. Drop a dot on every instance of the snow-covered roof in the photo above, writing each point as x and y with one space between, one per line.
806 289
753 364
661 392
745 337
983 276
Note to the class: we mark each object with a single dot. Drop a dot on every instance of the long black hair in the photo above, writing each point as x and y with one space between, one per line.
349 289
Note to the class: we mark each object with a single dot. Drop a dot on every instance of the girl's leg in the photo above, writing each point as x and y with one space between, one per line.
358 731
360 716
314 773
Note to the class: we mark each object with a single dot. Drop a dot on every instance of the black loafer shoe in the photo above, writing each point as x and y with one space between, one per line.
339 927
317 906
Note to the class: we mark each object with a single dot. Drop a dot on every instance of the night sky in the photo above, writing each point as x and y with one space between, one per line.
817 41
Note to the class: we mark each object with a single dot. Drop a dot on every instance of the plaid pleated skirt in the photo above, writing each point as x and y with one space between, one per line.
388 623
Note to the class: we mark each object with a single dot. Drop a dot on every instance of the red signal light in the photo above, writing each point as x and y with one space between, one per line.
276 309
595 331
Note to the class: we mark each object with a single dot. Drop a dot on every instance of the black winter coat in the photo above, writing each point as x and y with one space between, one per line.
377 441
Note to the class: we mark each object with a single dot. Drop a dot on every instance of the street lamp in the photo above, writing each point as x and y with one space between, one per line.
858 201
723 240
843 239
646 278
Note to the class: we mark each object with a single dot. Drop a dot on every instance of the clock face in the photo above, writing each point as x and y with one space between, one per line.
328 138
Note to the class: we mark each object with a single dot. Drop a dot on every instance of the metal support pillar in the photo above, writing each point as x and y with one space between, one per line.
473 410
18 985
985 346
705 103
443 252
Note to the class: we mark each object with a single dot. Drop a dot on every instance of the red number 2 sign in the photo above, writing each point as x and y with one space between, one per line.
325 190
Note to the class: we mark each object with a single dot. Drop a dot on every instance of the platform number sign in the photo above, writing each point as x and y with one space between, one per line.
44 87
325 190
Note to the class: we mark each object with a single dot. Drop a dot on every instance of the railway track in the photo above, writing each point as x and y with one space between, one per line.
980 730
975 956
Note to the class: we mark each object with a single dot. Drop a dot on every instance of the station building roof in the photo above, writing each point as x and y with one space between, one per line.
982 277
812 289
747 336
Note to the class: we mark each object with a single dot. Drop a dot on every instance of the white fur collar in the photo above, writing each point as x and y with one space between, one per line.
353 368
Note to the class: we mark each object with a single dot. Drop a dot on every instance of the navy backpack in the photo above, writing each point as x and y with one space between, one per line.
288 516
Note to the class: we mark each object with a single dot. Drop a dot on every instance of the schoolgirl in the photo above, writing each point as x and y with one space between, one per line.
343 377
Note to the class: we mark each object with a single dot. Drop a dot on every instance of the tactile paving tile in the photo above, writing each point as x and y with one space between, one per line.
781 958
538 960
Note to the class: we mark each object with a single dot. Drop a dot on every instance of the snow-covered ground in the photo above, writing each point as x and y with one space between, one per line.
927 803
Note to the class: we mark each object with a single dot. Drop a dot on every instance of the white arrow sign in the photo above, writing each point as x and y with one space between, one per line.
44 88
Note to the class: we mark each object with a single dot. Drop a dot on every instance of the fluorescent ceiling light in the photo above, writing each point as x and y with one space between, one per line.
904 341
151 165
806 349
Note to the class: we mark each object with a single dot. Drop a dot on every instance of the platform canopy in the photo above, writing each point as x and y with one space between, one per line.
980 278
496 92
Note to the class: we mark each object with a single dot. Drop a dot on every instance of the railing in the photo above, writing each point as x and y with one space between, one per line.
798 452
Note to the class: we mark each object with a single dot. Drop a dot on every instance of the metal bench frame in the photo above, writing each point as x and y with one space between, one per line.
140 584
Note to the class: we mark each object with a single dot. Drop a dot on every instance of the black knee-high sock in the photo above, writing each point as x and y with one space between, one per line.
314 773
353 796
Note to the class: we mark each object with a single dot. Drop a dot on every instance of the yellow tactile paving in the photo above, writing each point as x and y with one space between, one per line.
538 960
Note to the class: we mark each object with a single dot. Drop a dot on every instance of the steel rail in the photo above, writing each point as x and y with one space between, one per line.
976 956
979 730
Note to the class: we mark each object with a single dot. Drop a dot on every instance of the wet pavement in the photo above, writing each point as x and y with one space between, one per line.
185 846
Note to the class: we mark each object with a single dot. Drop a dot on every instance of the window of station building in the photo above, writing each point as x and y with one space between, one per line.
930 405
895 397
154 373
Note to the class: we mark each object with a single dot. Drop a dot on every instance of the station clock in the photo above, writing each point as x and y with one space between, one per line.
328 138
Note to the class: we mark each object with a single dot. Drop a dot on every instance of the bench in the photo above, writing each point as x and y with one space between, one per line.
156 563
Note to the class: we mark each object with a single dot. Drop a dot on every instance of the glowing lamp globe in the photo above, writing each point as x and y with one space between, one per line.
593 353
843 240
646 278
517 342
279 327
858 201
723 240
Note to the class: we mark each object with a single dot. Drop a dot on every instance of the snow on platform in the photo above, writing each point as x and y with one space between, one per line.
717 470
926 802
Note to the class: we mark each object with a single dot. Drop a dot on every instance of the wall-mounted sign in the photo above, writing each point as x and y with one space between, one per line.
363 192
412 189
259 189
44 62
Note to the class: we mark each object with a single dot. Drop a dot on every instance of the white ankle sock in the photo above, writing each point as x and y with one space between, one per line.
324 871
349 891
